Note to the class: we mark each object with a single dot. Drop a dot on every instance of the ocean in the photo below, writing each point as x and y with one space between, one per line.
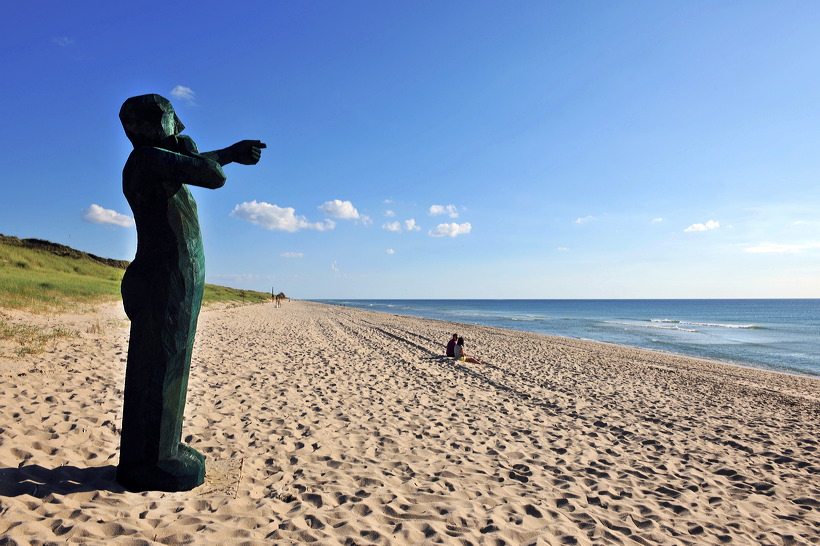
774 334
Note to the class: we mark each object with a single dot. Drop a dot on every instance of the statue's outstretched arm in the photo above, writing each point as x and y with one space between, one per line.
245 152
199 170
189 168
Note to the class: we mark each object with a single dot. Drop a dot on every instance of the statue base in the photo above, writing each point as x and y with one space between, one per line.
182 473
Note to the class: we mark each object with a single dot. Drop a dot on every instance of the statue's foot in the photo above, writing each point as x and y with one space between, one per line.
188 451
182 473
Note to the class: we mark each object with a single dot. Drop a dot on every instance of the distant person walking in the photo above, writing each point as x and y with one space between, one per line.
451 346
461 355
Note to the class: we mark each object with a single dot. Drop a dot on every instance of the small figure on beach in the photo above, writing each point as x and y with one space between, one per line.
461 355
162 290
451 346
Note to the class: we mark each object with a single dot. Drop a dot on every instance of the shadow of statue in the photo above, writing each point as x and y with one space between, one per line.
41 482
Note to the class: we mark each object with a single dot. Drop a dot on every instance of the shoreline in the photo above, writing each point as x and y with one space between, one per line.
729 362
341 425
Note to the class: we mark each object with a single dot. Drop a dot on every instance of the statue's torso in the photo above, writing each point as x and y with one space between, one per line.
169 267
165 213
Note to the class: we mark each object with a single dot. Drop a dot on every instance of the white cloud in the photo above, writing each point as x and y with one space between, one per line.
339 209
365 220
450 210
184 93
451 230
63 41
711 224
773 248
292 254
562 249
409 225
334 267
584 220
98 215
657 220
389 213
391 251
274 217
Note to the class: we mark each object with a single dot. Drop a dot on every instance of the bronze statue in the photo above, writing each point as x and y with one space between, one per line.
162 290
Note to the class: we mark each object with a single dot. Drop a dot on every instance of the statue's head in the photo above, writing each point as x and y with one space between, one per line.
149 119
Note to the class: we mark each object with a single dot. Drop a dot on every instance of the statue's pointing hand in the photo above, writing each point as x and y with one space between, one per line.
247 152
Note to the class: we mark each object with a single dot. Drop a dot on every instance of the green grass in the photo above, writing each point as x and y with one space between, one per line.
40 281
42 277
219 294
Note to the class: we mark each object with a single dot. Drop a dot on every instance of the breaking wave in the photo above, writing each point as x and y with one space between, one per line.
711 324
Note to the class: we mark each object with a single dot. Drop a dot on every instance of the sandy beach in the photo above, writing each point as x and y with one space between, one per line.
335 425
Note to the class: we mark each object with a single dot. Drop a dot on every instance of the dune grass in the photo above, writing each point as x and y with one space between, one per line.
41 277
30 340
39 281
222 294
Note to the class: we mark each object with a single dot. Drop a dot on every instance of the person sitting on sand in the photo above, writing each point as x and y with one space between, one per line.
451 346
461 355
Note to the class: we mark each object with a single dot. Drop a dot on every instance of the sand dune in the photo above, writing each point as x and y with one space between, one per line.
340 426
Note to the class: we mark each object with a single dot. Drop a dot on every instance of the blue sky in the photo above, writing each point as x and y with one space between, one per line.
440 149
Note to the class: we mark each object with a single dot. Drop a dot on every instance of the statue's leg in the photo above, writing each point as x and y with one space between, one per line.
156 379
